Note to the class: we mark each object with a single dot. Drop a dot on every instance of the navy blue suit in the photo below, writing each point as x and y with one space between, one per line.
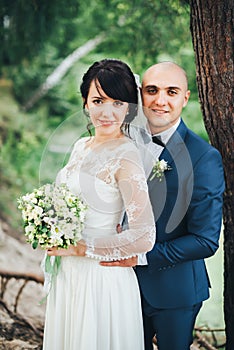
187 205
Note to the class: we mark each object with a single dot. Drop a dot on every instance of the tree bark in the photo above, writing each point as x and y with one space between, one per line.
54 78
212 33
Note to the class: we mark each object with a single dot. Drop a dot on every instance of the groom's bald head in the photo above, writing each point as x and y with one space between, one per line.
168 66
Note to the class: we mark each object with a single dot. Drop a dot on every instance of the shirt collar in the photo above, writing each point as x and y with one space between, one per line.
166 135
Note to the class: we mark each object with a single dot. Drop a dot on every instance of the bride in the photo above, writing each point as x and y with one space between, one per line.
91 307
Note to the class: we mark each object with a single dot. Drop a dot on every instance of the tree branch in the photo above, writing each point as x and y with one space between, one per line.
54 78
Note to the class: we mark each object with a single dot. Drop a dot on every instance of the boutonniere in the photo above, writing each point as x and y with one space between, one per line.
158 169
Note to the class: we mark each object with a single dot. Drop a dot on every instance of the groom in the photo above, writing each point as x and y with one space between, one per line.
187 204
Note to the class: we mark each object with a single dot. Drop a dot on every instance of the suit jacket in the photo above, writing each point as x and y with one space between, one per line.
187 205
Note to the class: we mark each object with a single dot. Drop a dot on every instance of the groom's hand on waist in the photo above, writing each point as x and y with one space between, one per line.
130 262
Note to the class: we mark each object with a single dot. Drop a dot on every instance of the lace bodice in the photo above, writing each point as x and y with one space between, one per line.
111 180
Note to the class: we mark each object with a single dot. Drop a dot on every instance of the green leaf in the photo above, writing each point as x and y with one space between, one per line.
35 244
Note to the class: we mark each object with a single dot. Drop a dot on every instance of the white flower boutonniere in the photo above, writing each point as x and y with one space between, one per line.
158 169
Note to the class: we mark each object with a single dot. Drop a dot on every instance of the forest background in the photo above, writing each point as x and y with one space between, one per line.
36 36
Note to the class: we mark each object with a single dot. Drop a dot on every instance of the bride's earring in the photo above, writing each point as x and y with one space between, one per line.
126 118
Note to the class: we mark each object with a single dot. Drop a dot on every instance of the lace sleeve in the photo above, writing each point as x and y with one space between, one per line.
140 236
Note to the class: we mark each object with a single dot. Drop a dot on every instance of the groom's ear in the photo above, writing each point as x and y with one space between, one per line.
186 98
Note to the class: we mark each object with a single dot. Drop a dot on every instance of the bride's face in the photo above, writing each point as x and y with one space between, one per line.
107 114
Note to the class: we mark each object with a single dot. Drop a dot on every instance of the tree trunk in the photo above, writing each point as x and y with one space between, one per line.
212 34
54 78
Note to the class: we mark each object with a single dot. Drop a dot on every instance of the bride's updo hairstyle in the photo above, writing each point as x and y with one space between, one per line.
116 80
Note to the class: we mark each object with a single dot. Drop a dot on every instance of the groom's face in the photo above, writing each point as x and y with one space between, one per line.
164 94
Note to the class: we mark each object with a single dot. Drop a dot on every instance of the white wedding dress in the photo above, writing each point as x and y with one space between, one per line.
90 307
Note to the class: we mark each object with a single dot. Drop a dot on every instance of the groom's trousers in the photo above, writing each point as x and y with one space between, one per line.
173 327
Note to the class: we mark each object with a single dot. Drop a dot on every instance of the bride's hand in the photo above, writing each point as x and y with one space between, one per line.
78 250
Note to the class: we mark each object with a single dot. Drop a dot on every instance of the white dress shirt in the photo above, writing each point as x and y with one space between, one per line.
166 135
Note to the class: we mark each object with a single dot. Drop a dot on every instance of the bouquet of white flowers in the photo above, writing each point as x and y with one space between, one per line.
52 216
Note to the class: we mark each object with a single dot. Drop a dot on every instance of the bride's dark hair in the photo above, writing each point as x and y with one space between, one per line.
116 80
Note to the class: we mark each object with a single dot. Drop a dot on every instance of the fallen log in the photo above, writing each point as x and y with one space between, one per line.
6 276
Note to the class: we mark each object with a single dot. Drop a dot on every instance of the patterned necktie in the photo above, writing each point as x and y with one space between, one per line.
158 141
